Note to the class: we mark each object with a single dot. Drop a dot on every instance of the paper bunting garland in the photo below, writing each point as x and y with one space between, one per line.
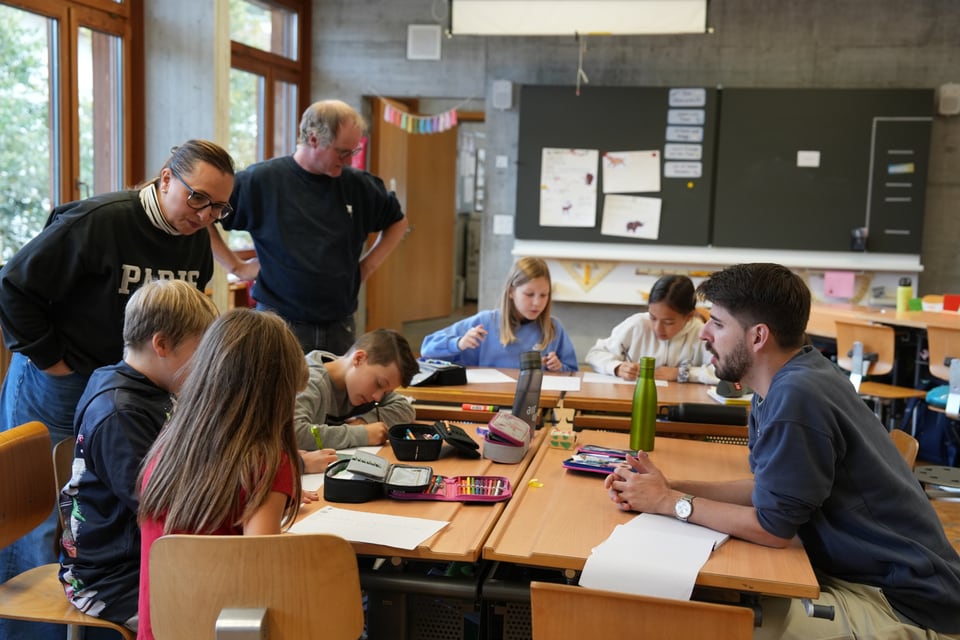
420 124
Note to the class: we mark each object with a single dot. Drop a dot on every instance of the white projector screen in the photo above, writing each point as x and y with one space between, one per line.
584 17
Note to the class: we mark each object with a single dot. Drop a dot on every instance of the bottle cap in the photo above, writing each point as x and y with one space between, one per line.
530 360
905 282
647 362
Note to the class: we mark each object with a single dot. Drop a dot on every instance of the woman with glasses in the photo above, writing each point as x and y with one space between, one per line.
309 215
62 296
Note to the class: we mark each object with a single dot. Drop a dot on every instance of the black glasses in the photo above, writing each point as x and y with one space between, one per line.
346 154
200 201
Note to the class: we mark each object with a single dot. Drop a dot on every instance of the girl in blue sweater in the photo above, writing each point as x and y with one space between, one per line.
497 337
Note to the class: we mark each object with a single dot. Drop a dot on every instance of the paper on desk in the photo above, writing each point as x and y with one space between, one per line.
480 376
314 481
374 528
601 378
560 383
651 555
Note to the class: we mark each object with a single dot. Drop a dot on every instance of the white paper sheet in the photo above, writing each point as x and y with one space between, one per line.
373 528
631 217
485 376
651 555
568 187
600 378
631 171
560 383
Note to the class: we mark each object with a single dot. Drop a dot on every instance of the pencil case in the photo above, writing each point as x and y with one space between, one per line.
705 413
507 438
597 459
425 441
459 489
366 477
438 373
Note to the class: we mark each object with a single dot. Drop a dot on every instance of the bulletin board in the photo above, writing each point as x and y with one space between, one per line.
616 130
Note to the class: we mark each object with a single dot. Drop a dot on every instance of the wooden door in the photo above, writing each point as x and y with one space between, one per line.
416 280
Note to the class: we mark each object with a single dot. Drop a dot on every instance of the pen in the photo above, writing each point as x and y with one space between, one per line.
466 406
625 353
377 407
316 436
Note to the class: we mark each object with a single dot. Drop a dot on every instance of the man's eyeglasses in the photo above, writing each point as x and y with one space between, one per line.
346 154
199 201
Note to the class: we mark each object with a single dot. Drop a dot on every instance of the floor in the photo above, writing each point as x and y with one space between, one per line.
415 332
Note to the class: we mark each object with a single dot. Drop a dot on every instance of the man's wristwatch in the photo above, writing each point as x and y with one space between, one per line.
683 508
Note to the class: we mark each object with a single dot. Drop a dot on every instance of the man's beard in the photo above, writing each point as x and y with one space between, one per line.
734 366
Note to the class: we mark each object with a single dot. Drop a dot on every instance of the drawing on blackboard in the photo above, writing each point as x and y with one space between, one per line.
568 187
631 217
631 171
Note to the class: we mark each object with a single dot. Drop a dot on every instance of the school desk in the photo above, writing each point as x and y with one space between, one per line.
604 405
823 317
446 402
556 517
949 512
462 539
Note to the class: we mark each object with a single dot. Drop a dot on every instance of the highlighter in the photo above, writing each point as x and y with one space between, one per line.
316 436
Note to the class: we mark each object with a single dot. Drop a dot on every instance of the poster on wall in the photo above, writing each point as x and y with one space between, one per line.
568 187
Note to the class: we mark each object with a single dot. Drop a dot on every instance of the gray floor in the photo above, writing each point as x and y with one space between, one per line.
415 332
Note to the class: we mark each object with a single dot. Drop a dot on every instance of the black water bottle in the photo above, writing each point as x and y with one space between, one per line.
526 403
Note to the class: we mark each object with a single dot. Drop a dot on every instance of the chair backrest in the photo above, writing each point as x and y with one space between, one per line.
907 445
942 342
875 338
309 584
561 612
26 480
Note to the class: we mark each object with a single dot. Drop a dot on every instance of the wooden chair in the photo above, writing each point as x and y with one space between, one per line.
907 445
308 583
872 347
943 344
565 612
27 494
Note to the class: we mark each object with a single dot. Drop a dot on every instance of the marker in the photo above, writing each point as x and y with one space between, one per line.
466 406
316 436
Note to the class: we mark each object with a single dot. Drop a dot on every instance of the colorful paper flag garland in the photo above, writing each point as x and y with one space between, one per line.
420 124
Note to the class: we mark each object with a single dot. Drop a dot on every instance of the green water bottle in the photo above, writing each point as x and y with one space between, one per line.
643 418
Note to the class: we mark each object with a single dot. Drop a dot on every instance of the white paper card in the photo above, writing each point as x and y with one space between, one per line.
560 383
568 187
372 528
631 171
485 376
631 217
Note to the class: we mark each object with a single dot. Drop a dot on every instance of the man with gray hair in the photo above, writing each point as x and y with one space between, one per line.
309 215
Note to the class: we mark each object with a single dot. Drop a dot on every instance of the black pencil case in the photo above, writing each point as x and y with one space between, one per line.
424 441
366 477
438 373
705 413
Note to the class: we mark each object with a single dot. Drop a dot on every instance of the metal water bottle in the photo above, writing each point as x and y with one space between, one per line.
526 403
643 419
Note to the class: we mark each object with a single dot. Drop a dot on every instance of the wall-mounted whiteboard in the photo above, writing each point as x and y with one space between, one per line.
586 17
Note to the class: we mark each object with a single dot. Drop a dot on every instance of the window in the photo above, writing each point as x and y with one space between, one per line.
269 80
63 62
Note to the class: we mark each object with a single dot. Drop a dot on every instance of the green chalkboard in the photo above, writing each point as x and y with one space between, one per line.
621 119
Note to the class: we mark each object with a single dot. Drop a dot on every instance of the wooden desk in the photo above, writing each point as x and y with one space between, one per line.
608 406
949 512
470 524
823 317
556 525
444 402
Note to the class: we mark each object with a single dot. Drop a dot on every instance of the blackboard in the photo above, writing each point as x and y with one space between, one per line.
611 119
802 168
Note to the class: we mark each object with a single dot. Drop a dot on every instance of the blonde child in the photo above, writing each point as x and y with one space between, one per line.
497 337
227 461
669 331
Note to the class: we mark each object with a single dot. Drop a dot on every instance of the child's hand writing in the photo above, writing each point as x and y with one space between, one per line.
376 433
552 362
317 461
472 338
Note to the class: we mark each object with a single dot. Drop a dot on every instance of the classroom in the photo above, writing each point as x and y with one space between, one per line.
181 66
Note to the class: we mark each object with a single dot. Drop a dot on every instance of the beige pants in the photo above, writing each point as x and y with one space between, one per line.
860 611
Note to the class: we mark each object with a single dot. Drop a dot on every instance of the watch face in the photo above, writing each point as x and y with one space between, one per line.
683 509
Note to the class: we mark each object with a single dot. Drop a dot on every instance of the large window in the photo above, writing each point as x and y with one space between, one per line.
65 108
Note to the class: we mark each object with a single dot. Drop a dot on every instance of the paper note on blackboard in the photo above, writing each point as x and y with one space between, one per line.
631 171
838 284
631 217
568 187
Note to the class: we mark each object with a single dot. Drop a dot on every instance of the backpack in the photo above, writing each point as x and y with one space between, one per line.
938 435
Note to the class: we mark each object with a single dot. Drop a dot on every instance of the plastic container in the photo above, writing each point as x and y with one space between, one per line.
643 417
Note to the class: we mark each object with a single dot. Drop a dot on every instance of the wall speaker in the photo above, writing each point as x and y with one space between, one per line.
502 94
948 99
423 42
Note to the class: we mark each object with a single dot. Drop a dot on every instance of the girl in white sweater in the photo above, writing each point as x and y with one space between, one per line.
669 331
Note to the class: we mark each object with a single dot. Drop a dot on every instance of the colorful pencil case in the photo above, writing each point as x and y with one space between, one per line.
597 459
459 489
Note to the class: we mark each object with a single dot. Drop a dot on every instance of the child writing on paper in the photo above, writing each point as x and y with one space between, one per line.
118 417
497 337
669 331
226 463
349 401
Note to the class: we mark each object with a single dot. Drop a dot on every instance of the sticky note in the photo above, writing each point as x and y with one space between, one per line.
838 284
